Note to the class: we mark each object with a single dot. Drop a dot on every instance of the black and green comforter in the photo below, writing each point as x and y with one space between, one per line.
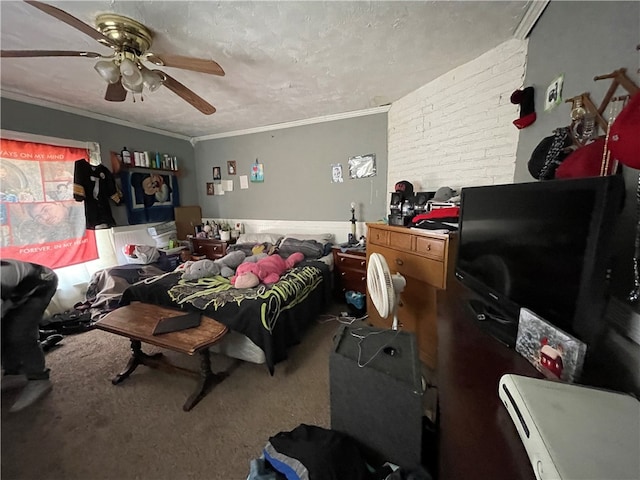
274 317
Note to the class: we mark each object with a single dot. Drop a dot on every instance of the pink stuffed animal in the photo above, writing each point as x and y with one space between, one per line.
266 270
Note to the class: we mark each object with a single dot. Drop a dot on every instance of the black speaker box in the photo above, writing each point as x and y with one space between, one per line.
396 199
376 392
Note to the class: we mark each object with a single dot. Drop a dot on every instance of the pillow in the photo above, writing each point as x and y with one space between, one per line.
321 238
324 239
248 248
309 248
259 238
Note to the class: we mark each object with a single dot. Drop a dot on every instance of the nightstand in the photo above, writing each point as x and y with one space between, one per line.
210 247
349 272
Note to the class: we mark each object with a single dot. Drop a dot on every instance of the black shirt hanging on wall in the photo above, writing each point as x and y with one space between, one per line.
94 185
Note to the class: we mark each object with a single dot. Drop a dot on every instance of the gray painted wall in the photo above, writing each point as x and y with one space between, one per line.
297 172
24 117
582 40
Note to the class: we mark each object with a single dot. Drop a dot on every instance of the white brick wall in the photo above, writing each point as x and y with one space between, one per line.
457 130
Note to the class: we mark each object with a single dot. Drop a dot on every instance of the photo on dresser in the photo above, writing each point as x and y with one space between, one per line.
553 352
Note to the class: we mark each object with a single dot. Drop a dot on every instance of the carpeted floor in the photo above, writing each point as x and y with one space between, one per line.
89 429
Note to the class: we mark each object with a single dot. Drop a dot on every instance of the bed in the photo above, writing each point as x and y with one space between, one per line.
264 321
106 286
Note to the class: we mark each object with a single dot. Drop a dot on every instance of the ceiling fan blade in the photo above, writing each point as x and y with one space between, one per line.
186 94
72 21
186 63
115 92
47 53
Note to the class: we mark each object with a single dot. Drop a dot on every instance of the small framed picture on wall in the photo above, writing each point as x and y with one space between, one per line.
210 190
231 167
217 174
257 172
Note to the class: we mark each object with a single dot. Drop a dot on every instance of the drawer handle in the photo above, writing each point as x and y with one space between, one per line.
363 263
363 278
428 246
342 259
343 273
399 262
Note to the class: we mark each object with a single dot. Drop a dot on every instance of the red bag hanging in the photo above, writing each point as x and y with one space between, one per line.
584 162
624 136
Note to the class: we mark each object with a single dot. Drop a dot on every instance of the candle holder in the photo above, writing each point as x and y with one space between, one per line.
352 235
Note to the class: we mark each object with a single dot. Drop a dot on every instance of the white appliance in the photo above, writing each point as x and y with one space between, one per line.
384 288
574 432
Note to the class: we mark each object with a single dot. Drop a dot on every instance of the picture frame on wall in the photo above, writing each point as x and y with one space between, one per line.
210 188
362 166
150 197
257 172
217 174
231 167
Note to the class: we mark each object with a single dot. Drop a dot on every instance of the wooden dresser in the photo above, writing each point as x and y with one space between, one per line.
211 248
426 259
349 271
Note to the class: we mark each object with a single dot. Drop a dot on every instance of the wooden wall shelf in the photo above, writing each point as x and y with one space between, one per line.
117 167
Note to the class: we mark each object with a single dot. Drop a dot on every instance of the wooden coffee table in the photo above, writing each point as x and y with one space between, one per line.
137 321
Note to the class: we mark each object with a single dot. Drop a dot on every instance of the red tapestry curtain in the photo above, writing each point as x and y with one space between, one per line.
39 220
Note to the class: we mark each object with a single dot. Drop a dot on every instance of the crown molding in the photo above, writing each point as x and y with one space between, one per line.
193 140
84 113
297 123
529 19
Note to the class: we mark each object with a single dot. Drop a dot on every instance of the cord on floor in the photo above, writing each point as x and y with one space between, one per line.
343 318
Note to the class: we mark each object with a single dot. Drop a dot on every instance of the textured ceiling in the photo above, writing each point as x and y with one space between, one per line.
284 61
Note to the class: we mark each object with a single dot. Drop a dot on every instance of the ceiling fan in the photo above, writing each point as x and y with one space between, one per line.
124 70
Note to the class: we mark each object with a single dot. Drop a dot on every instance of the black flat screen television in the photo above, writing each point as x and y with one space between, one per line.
540 245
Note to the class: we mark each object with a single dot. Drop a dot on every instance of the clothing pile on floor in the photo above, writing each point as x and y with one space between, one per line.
310 451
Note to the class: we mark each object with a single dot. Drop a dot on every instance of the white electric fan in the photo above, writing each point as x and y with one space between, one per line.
384 288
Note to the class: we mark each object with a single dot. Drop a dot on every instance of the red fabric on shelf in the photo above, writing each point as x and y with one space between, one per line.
446 212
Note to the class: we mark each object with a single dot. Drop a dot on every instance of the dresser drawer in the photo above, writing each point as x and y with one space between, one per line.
345 261
352 280
217 248
377 237
430 247
410 265
400 240
212 249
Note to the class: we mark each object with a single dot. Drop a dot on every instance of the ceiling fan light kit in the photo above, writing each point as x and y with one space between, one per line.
151 80
131 76
124 71
109 71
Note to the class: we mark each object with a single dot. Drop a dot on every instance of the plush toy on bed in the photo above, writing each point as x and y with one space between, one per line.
266 270
225 266
255 258
200 269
